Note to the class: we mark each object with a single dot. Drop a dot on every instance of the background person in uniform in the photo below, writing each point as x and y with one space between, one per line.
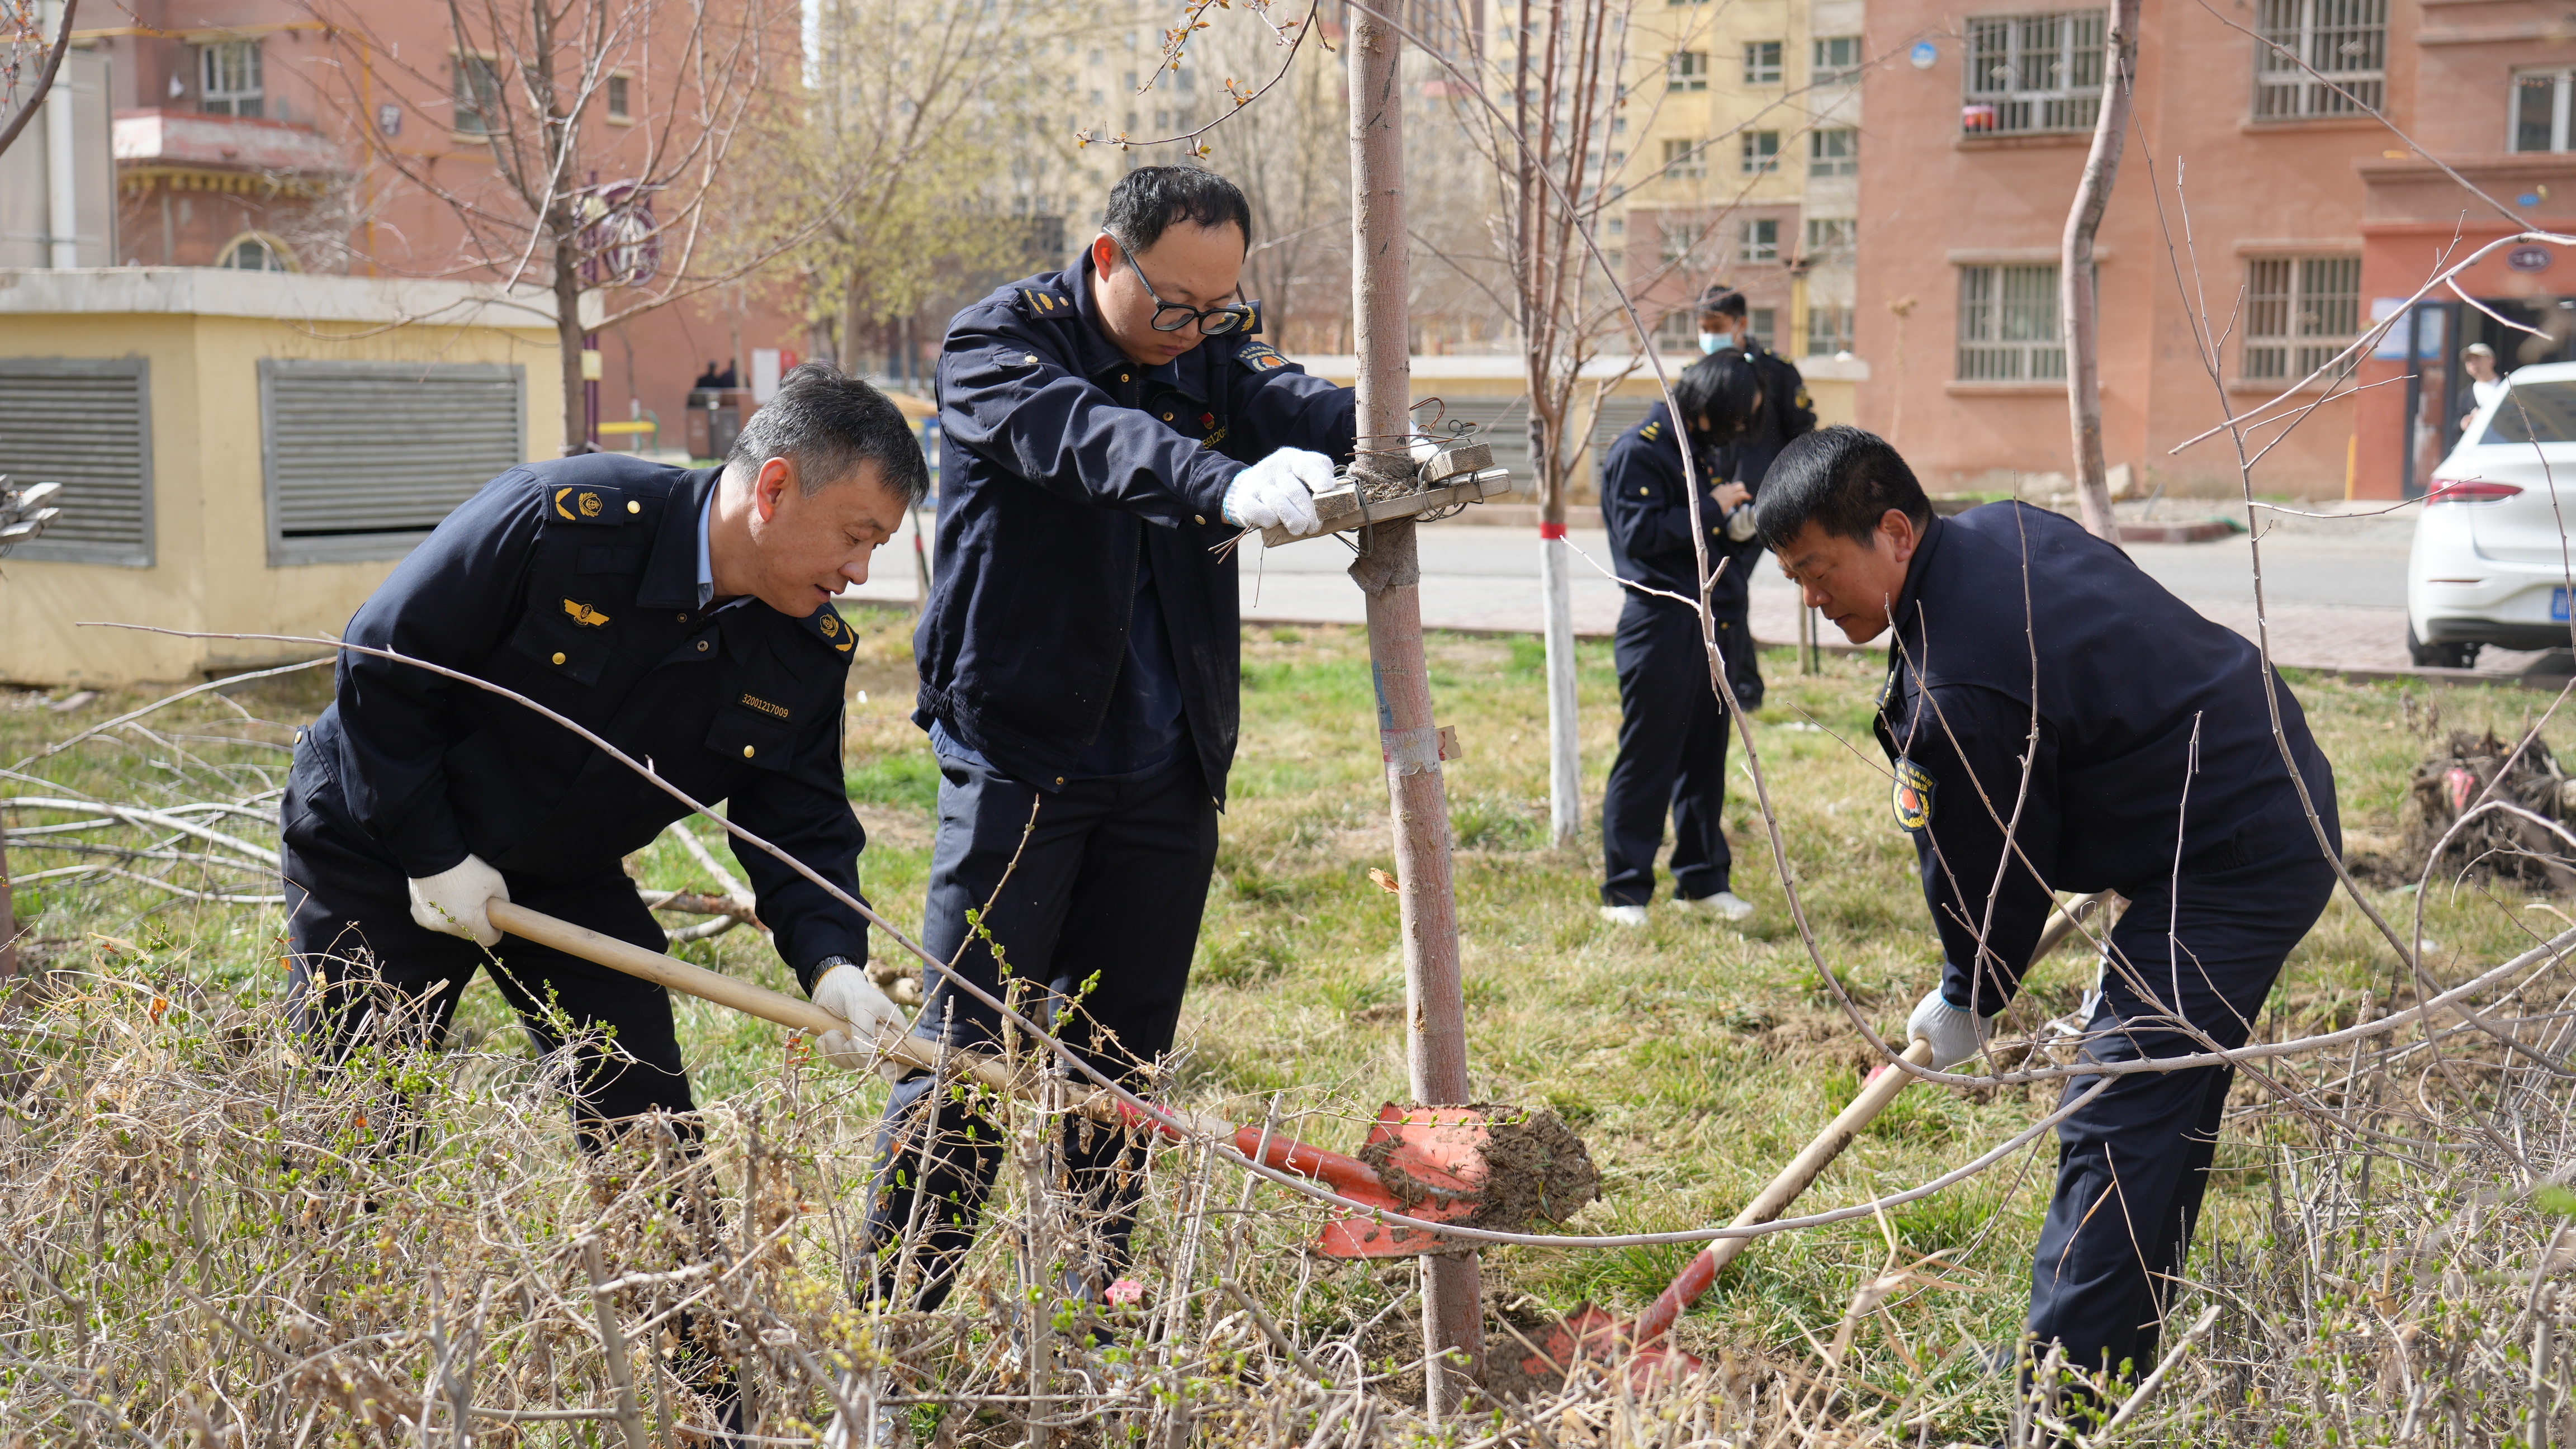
1787 412
1107 428
2155 773
1672 725
685 616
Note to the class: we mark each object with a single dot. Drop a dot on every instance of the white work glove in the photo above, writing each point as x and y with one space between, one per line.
1956 1036
452 901
1739 524
1280 490
845 991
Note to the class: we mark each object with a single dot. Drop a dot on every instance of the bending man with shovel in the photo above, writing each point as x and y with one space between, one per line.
2055 720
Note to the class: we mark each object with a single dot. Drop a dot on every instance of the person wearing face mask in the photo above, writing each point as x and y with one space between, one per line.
1109 428
1672 724
1787 412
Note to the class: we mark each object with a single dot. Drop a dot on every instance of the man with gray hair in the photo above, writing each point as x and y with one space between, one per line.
685 616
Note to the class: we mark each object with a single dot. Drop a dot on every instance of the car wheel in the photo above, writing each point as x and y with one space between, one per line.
2439 656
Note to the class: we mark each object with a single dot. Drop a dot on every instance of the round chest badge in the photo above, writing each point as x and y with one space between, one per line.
2534 258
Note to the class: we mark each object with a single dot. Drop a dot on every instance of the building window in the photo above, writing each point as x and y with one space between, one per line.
1831 238
1833 153
256 253
1757 325
2034 72
2299 312
1758 240
1686 70
1761 153
229 79
1762 62
1682 239
1829 330
620 102
2008 324
478 94
1836 61
1685 161
2540 102
2346 41
1678 332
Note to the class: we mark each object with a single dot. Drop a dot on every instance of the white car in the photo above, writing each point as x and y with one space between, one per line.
2495 546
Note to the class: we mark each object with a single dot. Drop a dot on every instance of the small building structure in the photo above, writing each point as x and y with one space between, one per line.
244 452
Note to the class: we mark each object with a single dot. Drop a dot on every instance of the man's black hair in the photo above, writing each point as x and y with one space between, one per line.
1721 301
827 425
1842 480
1149 199
1721 387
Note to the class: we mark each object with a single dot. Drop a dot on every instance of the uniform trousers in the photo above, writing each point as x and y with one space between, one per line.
2134 1163
360 966
1099 917
1672 754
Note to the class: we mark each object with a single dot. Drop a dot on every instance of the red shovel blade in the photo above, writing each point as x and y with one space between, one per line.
1431 1163
1590 1335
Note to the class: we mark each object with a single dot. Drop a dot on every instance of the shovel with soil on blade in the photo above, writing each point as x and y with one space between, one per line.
1641 1347
1484 1167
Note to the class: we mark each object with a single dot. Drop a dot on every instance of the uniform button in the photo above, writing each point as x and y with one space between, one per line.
702 646
1122 377
1199 518
684 618
1059 779
1167 417
1641 492
746 752
299 737
559 659
634 507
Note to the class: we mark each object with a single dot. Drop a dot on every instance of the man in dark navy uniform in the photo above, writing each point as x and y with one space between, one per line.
2037 677
1786 412
1109 428
685 616
1672 725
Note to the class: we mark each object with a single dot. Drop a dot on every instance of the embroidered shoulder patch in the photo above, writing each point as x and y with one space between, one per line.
1651 431
1914 787
1259 356
1041 302
827 625
603 506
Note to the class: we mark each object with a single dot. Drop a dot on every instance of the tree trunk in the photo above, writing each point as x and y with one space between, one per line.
576 425
1388 571
2079 299
1556 623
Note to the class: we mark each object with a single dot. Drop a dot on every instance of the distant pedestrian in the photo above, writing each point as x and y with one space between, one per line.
2485 383
1672 724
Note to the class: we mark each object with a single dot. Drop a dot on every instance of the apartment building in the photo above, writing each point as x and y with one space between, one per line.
2263 218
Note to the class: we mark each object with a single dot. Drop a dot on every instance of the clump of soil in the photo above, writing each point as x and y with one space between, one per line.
1536 1168
2499 845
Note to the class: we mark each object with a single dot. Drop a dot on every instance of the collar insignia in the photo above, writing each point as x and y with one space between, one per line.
831 628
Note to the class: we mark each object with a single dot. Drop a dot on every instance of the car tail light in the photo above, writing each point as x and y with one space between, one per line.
2469 490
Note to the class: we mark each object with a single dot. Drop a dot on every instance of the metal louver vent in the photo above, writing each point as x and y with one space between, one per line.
365 458
85 424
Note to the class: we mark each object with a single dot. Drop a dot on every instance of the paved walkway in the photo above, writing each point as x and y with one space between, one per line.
2334 588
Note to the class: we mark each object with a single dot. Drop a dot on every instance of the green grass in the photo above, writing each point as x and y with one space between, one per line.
1694 1057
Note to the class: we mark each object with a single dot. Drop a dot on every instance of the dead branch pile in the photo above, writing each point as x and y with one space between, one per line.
2514 843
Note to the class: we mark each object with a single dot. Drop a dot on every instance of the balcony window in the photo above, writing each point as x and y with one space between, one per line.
1762 62
2008 324
2540 103
2345 41
2299 312
1682 240
229 79
1830 239
1836 60
1686 70
2034 72
1758 240
1829 330
1760 153
1834 152
1685 161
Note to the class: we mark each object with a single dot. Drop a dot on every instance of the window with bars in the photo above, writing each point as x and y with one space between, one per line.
1831 238
1678 332
2008 324
1758 325
2034 72
2540 105
620 107
1760 153
1829 330
1682 239
229 79
1758 240
1686 70
2299 312
1762 62
1835 60
1685 161
478 94
1833 152
2344 41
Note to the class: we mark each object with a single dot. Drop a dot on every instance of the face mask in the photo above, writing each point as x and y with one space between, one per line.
1709 342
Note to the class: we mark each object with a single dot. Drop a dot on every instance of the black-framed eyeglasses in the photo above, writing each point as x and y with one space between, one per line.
1173 316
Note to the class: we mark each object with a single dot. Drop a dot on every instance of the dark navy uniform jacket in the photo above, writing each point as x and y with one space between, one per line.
575 583
1647 511
1062 460
2154 739
1787 412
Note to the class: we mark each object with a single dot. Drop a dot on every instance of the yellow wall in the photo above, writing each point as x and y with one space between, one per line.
210 550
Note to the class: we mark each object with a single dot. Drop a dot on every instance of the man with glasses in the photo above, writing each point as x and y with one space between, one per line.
1108 429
